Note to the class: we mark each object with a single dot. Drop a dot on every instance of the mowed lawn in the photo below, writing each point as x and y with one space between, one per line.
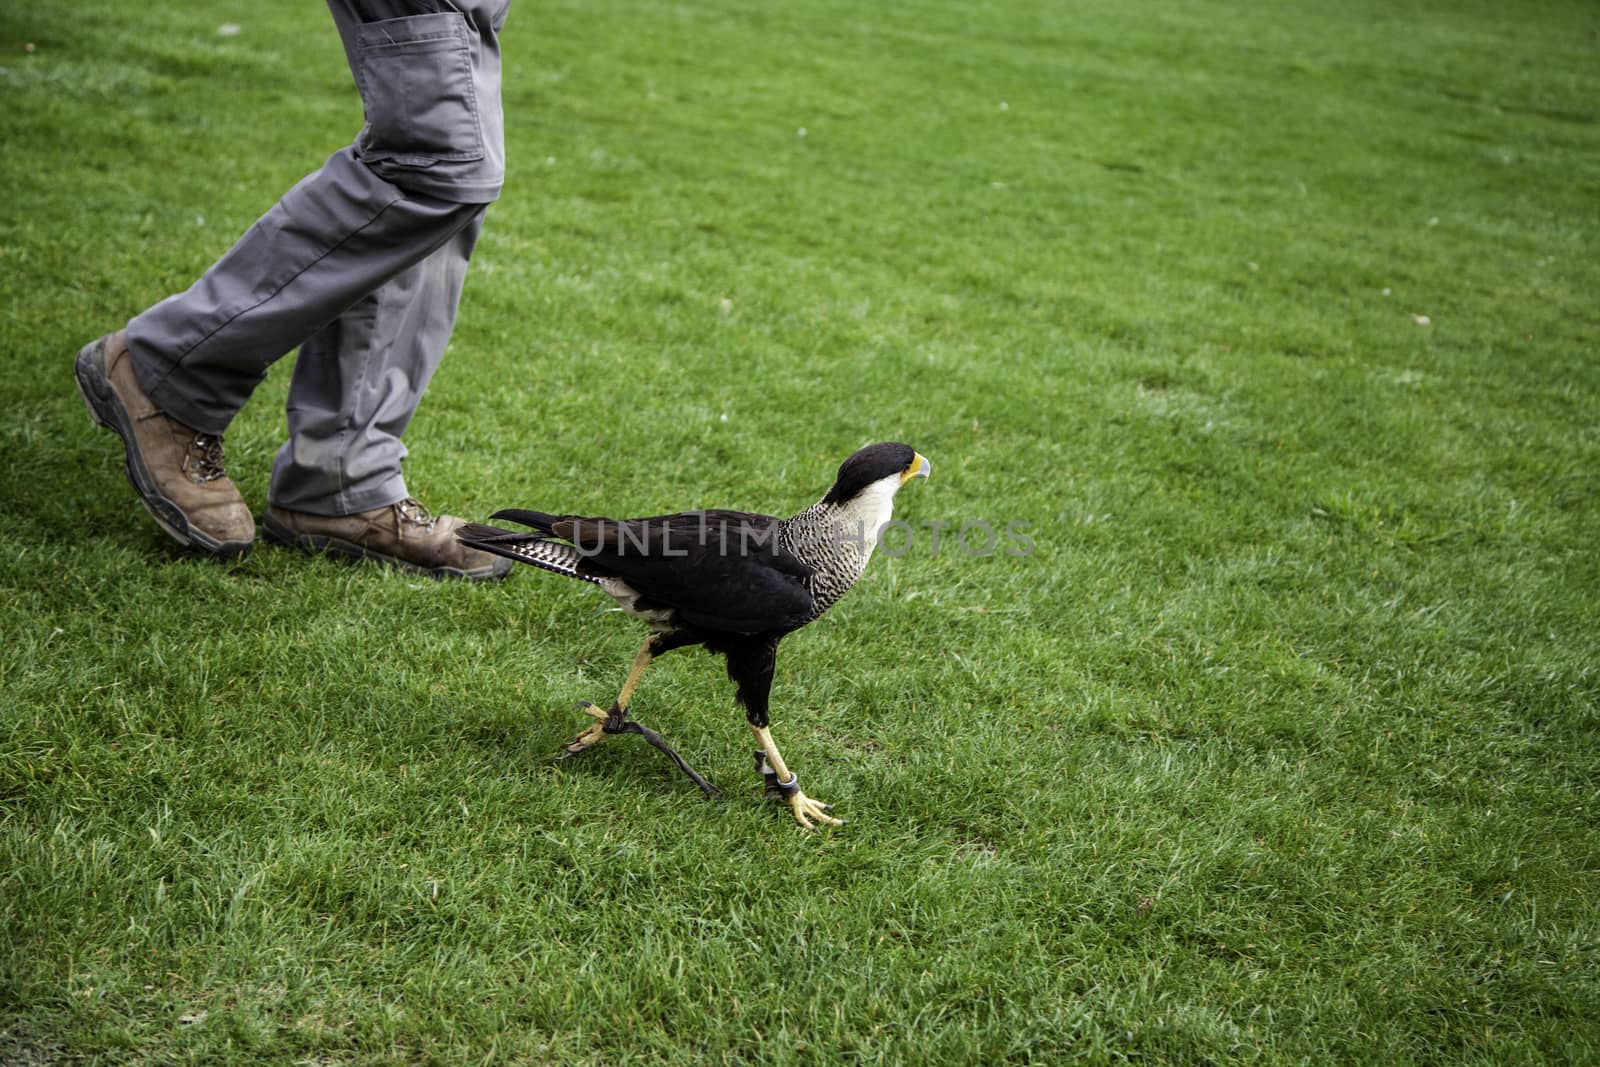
1275 737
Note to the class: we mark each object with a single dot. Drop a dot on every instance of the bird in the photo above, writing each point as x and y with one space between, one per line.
733 582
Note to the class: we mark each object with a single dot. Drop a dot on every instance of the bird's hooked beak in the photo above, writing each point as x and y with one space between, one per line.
919 468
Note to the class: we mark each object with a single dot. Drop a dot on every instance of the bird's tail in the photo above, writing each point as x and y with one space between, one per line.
535 549
537 520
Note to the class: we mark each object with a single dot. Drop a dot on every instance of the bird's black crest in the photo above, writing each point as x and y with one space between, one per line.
869 465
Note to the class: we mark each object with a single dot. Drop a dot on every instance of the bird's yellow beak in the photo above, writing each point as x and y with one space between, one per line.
919 468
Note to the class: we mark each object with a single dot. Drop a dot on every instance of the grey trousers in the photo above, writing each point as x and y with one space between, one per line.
360 265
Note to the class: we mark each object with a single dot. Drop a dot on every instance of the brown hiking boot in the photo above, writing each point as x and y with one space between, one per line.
402 535
175 469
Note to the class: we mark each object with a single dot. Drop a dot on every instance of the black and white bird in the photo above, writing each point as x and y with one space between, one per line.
732 581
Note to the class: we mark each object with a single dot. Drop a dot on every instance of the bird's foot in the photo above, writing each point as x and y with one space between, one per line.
804 808
594 734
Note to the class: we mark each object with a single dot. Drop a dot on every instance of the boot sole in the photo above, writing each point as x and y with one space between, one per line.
107 410
274 532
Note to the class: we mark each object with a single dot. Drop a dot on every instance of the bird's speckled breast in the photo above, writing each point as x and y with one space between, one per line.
836 543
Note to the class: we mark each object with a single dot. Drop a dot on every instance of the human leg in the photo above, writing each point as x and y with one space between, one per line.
334 238
339 235
337 484
357 383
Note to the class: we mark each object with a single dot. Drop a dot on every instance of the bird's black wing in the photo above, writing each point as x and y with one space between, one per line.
720 570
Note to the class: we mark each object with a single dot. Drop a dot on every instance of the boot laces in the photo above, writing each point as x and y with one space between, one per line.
410 512
202 462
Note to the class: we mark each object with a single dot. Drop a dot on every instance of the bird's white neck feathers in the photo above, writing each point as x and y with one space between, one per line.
869 511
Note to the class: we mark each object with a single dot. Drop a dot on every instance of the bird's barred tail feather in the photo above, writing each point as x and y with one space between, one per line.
557 557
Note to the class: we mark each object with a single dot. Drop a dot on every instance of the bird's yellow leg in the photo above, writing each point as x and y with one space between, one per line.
618 710
636 672
788 786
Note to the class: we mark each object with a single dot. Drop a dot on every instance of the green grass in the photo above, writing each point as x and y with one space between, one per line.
1283 746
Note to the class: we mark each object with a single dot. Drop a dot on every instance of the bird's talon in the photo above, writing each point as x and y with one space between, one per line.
585 740
805 809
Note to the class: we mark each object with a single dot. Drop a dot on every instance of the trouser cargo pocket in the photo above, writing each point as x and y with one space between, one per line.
415 77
